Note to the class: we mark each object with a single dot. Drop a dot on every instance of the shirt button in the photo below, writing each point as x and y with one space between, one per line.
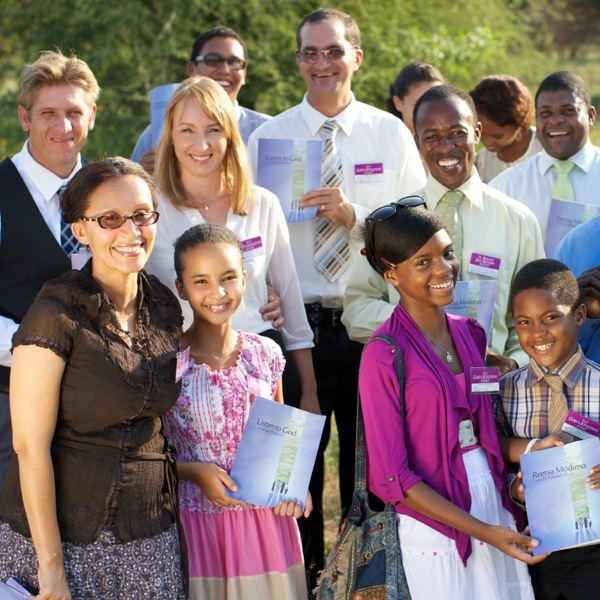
391 479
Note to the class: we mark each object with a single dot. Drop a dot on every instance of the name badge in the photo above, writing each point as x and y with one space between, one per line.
484 265
368 172
252 246
78 259
581 427
183 358
484 380
259 387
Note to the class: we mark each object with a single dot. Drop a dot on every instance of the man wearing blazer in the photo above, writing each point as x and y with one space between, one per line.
56 108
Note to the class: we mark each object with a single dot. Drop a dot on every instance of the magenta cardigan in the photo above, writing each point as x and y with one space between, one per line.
426 448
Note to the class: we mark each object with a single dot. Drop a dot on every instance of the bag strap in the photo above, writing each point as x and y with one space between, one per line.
360 468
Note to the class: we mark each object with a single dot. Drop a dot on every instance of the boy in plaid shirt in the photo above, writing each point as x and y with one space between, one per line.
534 401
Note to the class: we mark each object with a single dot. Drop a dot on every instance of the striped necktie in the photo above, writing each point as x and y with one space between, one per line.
332 253
558 408
563 188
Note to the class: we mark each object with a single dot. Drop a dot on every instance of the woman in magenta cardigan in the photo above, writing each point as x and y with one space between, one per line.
439 463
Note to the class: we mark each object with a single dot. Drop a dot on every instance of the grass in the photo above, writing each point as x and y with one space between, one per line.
331 489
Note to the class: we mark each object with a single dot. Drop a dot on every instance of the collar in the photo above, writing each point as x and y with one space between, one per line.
472 189
570 372
315 119
46 182
583 159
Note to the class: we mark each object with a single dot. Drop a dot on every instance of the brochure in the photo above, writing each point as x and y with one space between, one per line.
563 511
563 217
276 454
290 168
475 300
11 590
159 98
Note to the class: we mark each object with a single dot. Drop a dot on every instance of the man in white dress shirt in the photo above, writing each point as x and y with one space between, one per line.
564 117
369 159
57 109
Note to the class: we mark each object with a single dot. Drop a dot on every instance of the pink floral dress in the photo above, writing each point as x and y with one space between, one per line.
233 552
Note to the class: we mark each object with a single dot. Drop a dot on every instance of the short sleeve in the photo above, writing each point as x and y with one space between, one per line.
47 324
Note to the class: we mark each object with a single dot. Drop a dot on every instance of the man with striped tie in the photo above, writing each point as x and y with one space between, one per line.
57 108
369 159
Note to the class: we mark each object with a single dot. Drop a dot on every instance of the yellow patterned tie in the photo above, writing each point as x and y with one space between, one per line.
563 188
449 209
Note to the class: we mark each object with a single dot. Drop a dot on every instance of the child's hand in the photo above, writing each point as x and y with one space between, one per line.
292 508
594 478
548 442
517 489
213 481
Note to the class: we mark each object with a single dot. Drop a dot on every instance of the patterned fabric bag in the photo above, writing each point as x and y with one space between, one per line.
366 563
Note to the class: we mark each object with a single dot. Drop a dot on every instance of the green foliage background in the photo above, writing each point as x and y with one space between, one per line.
135 45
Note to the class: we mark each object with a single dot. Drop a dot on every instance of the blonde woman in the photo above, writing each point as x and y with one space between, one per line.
203 176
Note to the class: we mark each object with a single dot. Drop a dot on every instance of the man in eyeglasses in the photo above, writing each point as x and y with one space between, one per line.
57 109
494 235
219 53
369 159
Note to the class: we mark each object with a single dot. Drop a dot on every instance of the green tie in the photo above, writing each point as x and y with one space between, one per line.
563 188
449 209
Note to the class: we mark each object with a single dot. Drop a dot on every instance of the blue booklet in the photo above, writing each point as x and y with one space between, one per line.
565 216
475 300
563 511
159 98
276 454
290 168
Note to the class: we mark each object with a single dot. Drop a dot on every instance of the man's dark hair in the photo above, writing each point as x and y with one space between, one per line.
352 32
441 92
565 80
216 32
547 274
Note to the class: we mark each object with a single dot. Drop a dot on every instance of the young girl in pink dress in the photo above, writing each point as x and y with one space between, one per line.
236 550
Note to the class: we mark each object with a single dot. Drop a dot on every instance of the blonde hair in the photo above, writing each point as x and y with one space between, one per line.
54 68
235 169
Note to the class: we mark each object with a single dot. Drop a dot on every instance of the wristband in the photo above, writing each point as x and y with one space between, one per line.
530 445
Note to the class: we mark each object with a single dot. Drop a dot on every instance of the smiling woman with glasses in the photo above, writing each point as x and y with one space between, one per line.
432 447
93 371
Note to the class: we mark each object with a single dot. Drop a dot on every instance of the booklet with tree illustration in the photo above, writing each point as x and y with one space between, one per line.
565 216
563 511
290 168
276 454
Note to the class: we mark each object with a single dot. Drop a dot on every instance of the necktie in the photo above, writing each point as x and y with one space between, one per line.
332 253
449 209
558 408
563 188
68 242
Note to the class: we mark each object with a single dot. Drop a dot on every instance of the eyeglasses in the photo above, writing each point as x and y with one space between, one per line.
213 59
389 210
114 221
312 56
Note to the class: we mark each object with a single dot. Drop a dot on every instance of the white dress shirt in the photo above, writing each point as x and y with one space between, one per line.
43 186
493 225
367 136
531 182
270 261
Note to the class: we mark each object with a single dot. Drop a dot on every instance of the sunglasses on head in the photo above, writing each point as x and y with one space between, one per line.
389 210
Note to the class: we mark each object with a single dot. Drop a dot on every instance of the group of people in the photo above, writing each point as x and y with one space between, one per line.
132 375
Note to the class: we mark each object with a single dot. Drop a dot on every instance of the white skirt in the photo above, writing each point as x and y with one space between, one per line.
433 566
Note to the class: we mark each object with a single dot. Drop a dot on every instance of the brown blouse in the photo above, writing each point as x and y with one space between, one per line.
108 443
